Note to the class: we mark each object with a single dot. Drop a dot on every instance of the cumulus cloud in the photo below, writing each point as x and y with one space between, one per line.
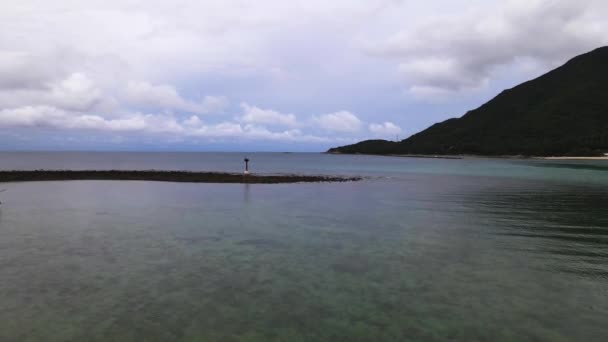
135 122
193 121
461 51
256 115
342 121
51 117
166 97
76 91
387 129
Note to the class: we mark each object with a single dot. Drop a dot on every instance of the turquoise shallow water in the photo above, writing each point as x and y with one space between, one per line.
422 249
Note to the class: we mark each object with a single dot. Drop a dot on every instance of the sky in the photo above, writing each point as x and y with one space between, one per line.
267 75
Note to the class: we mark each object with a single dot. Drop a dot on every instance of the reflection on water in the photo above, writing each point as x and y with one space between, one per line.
420 256
246 192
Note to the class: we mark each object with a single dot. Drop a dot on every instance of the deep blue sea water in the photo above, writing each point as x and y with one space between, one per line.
420 250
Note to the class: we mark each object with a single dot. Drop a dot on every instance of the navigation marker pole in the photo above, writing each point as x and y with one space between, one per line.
246 166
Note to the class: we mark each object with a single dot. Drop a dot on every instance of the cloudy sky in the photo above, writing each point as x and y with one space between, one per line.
230 75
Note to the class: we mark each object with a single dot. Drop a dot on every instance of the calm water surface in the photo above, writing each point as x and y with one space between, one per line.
421 250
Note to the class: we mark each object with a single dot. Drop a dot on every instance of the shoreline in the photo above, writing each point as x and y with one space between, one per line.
165 176
473 156
573 158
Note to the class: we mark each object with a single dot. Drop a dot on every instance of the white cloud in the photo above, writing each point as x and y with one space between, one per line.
51 117
256 115
166 97
77 92
193 121
342 121
462 51
387 129
134 122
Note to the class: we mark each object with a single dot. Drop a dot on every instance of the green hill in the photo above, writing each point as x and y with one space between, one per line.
564 112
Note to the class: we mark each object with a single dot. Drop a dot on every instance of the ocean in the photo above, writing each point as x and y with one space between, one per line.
422 249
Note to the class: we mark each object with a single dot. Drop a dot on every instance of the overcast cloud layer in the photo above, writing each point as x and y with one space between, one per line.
269 75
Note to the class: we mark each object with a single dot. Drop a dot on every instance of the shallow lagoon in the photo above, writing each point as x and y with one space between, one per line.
421 250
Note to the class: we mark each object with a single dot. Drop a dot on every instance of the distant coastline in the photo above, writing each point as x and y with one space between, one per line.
465 156
164 176
574 158
401 155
